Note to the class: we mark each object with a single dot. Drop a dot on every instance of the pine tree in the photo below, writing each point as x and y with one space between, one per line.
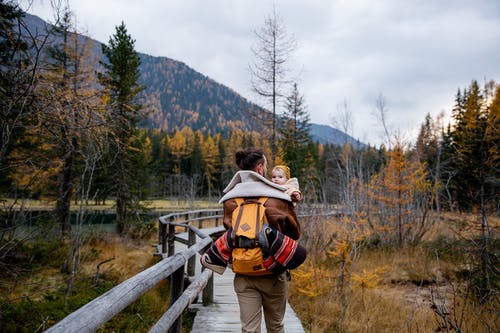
120 78
427 142
164 164
429 152
468 146
16 86
493 141
294 133
475 140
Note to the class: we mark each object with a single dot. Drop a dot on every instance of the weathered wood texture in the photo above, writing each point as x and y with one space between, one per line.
182 303
224 314
92 315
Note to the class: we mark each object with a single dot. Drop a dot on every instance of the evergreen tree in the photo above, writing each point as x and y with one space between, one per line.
475 139
294 133
493 145
429 152
62 72
120 78
222 174
16 74
232 144
427 143
468 146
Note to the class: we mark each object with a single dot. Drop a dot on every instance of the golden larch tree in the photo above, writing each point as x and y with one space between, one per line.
400 193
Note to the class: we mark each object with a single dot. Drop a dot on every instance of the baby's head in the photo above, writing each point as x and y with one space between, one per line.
280 174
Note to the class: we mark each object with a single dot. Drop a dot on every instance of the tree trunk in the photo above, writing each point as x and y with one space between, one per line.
122 191
65 188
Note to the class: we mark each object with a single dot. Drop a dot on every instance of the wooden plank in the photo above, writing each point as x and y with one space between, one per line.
224 314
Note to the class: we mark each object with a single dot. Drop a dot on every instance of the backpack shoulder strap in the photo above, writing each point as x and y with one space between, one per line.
261 216
263 200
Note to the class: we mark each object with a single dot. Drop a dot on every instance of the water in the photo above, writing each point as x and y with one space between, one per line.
34 217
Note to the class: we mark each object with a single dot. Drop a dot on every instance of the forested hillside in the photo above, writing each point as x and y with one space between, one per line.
177 96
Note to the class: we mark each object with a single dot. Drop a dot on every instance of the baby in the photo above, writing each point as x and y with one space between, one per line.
281 176
273 242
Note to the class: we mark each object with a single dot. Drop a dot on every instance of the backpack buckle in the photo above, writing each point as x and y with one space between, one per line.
245 242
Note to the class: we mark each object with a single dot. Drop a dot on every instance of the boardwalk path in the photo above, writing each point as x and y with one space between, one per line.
224 314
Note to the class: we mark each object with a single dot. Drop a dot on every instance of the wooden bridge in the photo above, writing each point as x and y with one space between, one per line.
217 310
223 314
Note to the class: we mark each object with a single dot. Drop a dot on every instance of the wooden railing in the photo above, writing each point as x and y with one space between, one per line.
94 314
178 267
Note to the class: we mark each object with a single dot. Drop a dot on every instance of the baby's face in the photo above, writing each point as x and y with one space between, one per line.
278 177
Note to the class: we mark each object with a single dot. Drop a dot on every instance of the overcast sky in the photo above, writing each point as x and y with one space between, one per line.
416 54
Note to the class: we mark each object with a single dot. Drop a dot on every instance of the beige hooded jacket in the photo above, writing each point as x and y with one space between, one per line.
280 212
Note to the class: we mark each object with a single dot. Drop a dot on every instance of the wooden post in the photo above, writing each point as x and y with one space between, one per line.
191 268
176 289
171 240
208 292
163 238
200 221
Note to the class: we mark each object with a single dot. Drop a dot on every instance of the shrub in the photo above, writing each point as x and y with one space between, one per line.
30 315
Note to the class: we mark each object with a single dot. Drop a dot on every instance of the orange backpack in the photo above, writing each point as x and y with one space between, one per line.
247 221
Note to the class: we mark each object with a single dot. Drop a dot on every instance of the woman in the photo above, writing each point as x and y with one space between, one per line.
266 292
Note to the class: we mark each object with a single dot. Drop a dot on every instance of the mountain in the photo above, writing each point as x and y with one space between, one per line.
327 134
180 96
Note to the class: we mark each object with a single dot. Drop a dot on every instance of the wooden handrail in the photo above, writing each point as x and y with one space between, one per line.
91 316
209 213
94 314
176 309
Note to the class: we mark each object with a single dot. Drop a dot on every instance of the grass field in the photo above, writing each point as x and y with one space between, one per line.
396 289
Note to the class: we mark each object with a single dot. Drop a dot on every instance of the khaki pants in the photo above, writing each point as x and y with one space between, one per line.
262 292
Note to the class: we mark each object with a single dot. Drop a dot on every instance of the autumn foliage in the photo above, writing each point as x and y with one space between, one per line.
400 196
130 137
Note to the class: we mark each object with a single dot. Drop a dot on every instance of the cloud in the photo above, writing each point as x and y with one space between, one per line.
415 53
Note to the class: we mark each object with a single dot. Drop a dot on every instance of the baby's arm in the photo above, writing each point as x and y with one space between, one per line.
296 196
293 189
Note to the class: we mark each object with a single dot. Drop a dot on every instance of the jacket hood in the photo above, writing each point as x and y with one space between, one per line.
246 183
